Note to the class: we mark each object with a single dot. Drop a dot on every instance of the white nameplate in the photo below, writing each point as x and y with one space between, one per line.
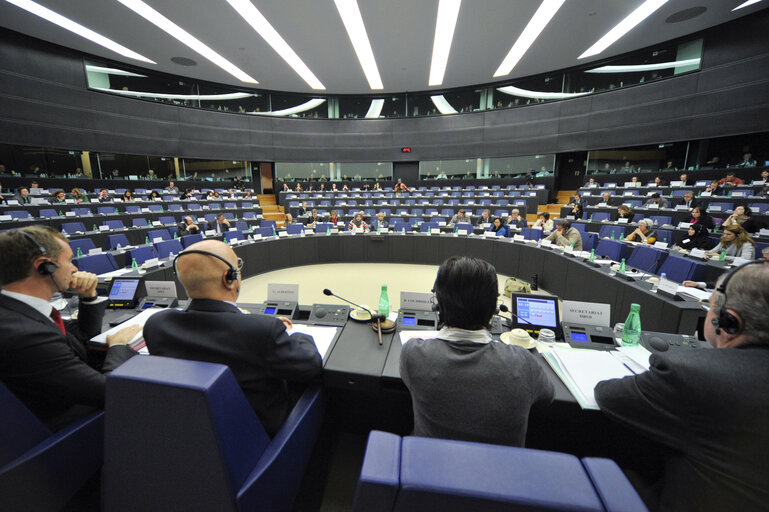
519 238
653 206
5 217
415 301
628 193
210 232
623 220
661 245
667 286
706 194
157 240
489 234
714 209
697 253
684 225
95 250
152 262
70 214
283 292
602 205
282 234
611 185
591 313
103 228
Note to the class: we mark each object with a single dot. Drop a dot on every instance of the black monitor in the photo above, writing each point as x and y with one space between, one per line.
535 312
123 293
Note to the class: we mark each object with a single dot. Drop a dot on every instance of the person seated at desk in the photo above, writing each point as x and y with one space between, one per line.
171 188
222 225
713 188
659 182
608 200
334 217
702 217
710 408
104 196
289 220
698 238
401 187
59 197
333 188
688 200
186 196
591 183
313 219
357 223
379 222
515 220
730 180
22 196
565 235
625 212
270 365
463 384
152 196
286 188
644 233
543 222
736 242
188 227
459 218
128 196
298 187
78 196
485 218
499 227
44 359
747 161
377 187
656 199
303 211
744 217
684 179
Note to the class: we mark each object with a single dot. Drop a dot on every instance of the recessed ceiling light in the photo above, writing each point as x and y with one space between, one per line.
356 31
171 28
645 10
263 27
745 4
77 28
446 22
536 25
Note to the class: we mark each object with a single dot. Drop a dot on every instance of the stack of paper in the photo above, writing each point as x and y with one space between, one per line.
323 336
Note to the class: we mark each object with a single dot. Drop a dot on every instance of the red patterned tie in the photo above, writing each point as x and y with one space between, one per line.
56 317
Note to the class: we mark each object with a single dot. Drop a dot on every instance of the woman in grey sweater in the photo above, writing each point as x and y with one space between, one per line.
736 242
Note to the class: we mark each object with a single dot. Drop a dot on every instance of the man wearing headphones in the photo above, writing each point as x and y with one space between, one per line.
43 360
710 407
271 366
464 385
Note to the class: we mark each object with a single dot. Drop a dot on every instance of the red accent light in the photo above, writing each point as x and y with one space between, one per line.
405 150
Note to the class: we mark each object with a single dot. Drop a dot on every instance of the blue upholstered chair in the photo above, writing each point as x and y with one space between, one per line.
139 222
84 244
190 239
233 235
186 430
141 254
97 263
600 216
19 214
48 213
422 474
647 258
400 225
532 234
589 240
680 269
159 233
611 249
294 229
73 227
166 247
119 239
167 220
606 231
114 224
40 469
661 219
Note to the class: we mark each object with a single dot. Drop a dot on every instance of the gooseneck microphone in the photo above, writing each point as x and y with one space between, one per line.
374 315
376 319
505 309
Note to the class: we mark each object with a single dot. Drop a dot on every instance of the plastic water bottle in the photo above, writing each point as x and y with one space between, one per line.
273 231
592 255
722 256
657 284
631 334
79 252
95 227
384 302
147 240
328 231
612 235
134 265
176 236
119 247
378 228
621 237
622 266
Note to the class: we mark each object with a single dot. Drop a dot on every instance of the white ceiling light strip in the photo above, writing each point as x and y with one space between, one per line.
174 30
112 71
77 28
265 29
445 23
294 110
745 4
442 105
539 95
164 96
375 109
356 31
645 10
536 25
645 67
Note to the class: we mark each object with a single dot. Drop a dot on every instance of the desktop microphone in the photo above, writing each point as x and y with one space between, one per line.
505 309
374 315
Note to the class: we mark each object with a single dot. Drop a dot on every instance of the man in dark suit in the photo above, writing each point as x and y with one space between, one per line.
270 365
689 200
44 360
710 407
22 196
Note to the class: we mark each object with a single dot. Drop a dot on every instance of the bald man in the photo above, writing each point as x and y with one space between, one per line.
267 362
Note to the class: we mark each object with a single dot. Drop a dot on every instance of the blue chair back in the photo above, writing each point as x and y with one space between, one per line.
156 208
232 235
119 239
531 233
589 240
322 227
190 239
97 263
167 220
432 225
725 207
606 231
269 224
600 216
19 214
48 213
579 226
647 258
141 254
114 224
176 207
73 227
400 225
194 207
664 235
139 223
84 244
159 233
612 249
680 269
132 208
167 247
294 229
264 231
661 219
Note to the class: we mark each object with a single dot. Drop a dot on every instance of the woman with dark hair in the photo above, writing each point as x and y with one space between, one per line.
499 227
742 216
736 242
702 217
128 196
334 217
153 195
543 222
697 239
78 196
625 212
358 224
464 385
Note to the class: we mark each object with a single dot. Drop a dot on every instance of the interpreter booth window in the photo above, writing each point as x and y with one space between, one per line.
111 79
229 100
740 151
361 107
516 166
134 167
214 170
366 171
298 105
443 103
37 162
637 159
450 169
306 171
646 66
529 91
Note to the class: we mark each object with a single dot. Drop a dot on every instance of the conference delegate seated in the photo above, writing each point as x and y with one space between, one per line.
697 238
657 200
736 243
22 196
485 218
44 359
730 180
742 216
498 227
701 216
270 365
289 220
188 227
459 218
379 222
334 217
659 182
543 222
625 212
577 210
515 220
59 197
688 200
710 408
565 235
313 219
128 196
104 196
358 224
78 196
463 384
644 233
713 189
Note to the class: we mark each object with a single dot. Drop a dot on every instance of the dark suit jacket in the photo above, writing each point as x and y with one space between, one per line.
712 408
47 370
694 202
263 357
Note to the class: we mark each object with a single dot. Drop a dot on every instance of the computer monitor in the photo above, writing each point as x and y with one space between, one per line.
535 312
123 292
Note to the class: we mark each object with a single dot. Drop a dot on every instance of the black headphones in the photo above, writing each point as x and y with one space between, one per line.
46 268
232 273
726 321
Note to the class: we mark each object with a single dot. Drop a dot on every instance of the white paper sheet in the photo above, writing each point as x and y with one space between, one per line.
583 369
323 336
408 335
